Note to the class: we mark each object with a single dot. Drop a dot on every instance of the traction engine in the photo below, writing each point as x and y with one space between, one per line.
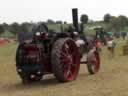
55 53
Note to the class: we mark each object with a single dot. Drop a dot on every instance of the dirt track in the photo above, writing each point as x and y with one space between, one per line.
112 80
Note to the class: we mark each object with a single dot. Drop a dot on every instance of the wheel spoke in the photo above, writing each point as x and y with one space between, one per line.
63 54
67 72
63 58
64 67
66 49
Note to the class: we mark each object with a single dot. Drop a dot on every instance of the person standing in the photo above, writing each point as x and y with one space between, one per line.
124 35
111 46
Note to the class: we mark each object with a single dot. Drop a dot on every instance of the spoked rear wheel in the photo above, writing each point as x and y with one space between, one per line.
93 61
65 60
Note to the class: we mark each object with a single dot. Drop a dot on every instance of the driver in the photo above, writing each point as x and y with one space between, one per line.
79 42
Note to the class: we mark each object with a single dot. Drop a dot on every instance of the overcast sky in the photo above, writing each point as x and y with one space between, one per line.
41 10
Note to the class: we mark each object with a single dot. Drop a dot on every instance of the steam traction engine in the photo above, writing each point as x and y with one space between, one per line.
55 53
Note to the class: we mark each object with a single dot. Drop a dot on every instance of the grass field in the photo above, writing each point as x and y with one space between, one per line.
112 80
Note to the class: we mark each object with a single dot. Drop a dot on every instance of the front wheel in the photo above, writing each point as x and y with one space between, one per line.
29 68
93 61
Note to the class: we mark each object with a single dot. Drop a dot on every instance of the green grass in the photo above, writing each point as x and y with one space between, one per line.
7 34
111 80
125 29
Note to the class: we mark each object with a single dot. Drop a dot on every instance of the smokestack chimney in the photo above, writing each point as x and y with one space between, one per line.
75 18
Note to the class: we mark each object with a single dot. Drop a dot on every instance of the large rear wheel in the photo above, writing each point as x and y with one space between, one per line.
65 60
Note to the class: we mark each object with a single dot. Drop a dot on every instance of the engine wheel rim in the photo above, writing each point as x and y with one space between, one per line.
69 60
95 61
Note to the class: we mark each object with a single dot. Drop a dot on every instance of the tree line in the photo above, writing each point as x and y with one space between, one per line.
15 27
112 23
115 23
